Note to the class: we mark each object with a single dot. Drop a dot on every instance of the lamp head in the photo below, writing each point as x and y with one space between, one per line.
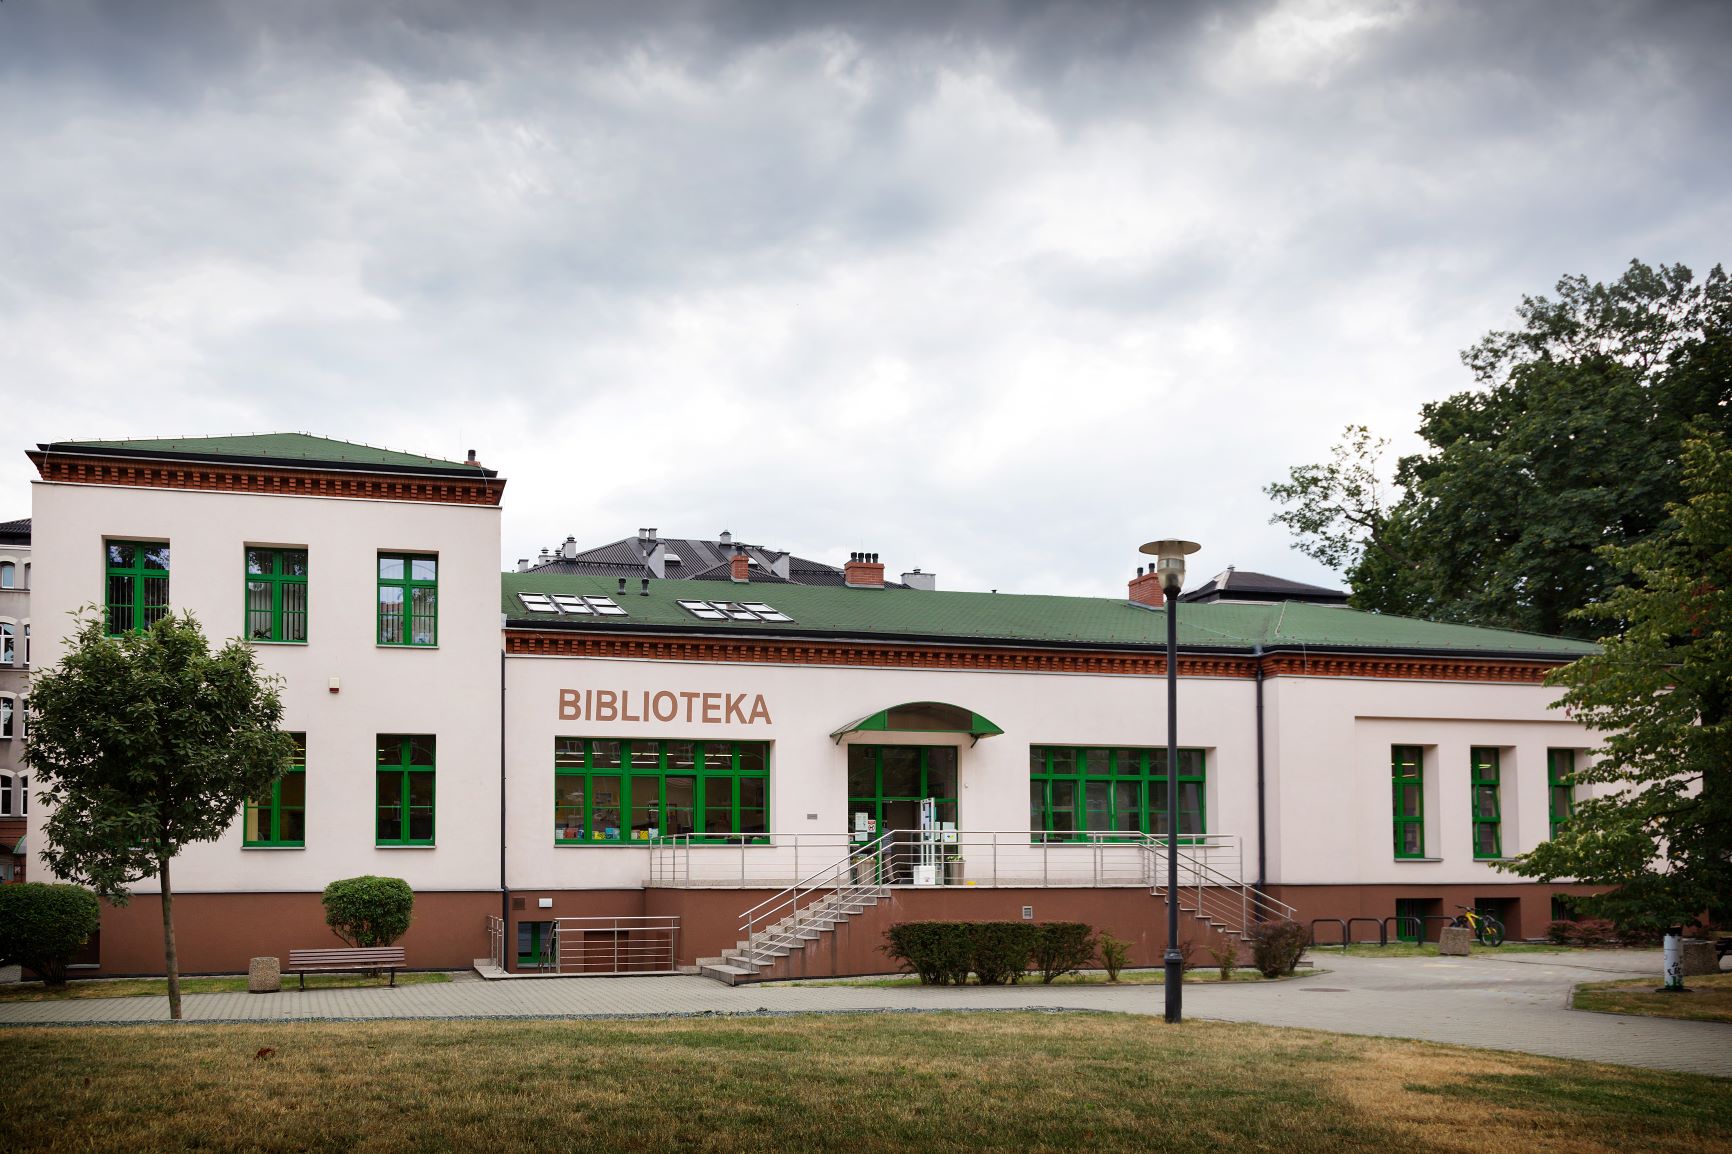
1170 562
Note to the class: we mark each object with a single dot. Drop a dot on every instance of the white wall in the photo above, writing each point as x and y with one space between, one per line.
450 691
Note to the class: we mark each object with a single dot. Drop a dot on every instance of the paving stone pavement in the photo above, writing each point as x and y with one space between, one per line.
1510 1002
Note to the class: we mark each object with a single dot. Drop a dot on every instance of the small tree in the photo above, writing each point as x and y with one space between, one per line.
368 910
43 925
145 743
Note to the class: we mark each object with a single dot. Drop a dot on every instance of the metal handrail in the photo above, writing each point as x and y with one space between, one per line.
655 954
496 940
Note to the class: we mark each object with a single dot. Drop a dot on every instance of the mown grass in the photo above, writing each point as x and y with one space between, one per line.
1088 978
1429 949
137 987
996 1082
1709 999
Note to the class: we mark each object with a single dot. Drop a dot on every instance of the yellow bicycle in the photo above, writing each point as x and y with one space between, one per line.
1487 930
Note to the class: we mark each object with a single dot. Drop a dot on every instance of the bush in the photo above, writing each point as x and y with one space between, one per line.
1061 948
369 911
1561 932
1277 946
42 925
943 953
1226 956
1115 952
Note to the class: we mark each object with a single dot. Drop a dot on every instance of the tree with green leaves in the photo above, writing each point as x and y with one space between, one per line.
145 743
1570 442
1660 693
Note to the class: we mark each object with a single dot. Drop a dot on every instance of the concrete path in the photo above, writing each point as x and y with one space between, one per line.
1512 1002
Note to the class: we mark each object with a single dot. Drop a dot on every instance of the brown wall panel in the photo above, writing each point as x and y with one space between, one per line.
1528 905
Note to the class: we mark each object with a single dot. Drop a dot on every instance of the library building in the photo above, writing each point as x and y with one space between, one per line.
669 754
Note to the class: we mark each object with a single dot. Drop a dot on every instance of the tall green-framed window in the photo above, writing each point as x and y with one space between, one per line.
405 789
1407 776
137 585
276 594
611 792
280 817
1077 793
886 784
1487 804
1561 786
408 599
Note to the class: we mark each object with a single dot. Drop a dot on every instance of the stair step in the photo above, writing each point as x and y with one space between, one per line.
727 975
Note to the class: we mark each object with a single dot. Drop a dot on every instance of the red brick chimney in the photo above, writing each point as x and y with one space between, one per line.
1146 588
739 567
863 571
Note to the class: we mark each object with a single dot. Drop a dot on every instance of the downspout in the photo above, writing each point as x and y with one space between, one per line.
504 893
1262 805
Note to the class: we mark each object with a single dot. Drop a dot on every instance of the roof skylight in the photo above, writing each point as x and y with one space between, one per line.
571 604
733 611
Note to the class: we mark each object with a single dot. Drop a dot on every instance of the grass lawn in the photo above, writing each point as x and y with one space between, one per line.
1145 977
135 987
1429 950
1003 1082
1709 1000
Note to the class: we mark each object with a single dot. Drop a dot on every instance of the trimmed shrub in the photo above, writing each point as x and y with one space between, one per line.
1061 948
1001 950
1114 952
42 925
939 952
1276 947
368 910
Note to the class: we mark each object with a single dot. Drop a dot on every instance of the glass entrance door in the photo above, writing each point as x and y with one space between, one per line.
886 784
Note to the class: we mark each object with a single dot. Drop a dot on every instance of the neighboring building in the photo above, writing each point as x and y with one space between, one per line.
14 692
1243 585
682 751
651 557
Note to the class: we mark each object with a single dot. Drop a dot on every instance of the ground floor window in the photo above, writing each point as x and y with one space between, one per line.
608 791
279 818
1410 915
405 789
886 784
1561 786
1075 792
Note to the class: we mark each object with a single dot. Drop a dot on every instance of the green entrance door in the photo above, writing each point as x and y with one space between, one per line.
534 945
886 784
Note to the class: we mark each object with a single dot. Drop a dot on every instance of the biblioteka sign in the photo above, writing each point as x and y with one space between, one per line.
690 706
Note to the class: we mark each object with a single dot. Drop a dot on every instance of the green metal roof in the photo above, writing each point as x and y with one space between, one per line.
302 448
1009 618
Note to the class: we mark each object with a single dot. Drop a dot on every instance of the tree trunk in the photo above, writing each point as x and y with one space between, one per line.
170 962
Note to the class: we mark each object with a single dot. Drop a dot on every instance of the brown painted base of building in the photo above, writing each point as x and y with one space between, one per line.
221 933
1525 908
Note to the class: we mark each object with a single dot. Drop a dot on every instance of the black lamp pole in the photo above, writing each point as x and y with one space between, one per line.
1175 961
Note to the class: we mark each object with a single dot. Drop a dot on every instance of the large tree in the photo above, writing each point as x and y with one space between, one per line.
1660 692
145 743
1570 442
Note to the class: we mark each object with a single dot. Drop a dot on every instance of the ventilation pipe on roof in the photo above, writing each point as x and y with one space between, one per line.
919 580
644 592
726 538
569 549
863 571
472 461
622 586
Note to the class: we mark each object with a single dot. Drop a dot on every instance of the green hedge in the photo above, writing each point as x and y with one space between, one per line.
42 925
945 953
368 910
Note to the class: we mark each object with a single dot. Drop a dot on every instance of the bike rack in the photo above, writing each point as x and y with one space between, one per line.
1347 934
1335 921
1429 918
1418 927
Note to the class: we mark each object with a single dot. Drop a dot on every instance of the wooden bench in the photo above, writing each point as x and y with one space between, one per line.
347 960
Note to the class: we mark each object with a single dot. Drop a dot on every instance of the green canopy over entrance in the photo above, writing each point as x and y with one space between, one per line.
921 717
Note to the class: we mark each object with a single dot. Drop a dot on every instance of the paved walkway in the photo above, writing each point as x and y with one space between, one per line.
1512 1002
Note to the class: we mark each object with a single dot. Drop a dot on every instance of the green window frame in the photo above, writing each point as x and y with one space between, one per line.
1487 804
1561 786
612 791
136 593
1407 779
408 599
280 818
405 790
1084 793
276 594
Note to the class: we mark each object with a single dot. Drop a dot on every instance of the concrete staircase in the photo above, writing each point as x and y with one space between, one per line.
755 958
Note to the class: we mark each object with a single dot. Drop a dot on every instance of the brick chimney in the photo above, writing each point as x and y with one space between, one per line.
1146 588
863 571
739 567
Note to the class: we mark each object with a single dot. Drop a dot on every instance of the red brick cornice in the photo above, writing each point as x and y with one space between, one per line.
269 479
885 655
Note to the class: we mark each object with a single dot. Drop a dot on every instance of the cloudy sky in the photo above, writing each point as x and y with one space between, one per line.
999 290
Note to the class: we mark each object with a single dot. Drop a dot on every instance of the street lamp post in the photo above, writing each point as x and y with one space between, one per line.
1170 567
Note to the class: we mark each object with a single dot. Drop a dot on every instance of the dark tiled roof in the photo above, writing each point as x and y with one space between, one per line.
1245 585
16 531
699 560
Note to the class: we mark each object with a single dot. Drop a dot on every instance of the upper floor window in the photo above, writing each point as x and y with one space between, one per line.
404 782
1407 777
408 599
8 643
7 705
8 575
1487 804
6 795
137 585
276 592
1561 784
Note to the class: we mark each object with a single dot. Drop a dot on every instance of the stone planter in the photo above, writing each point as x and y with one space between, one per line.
264 976
1455 941
1699 957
